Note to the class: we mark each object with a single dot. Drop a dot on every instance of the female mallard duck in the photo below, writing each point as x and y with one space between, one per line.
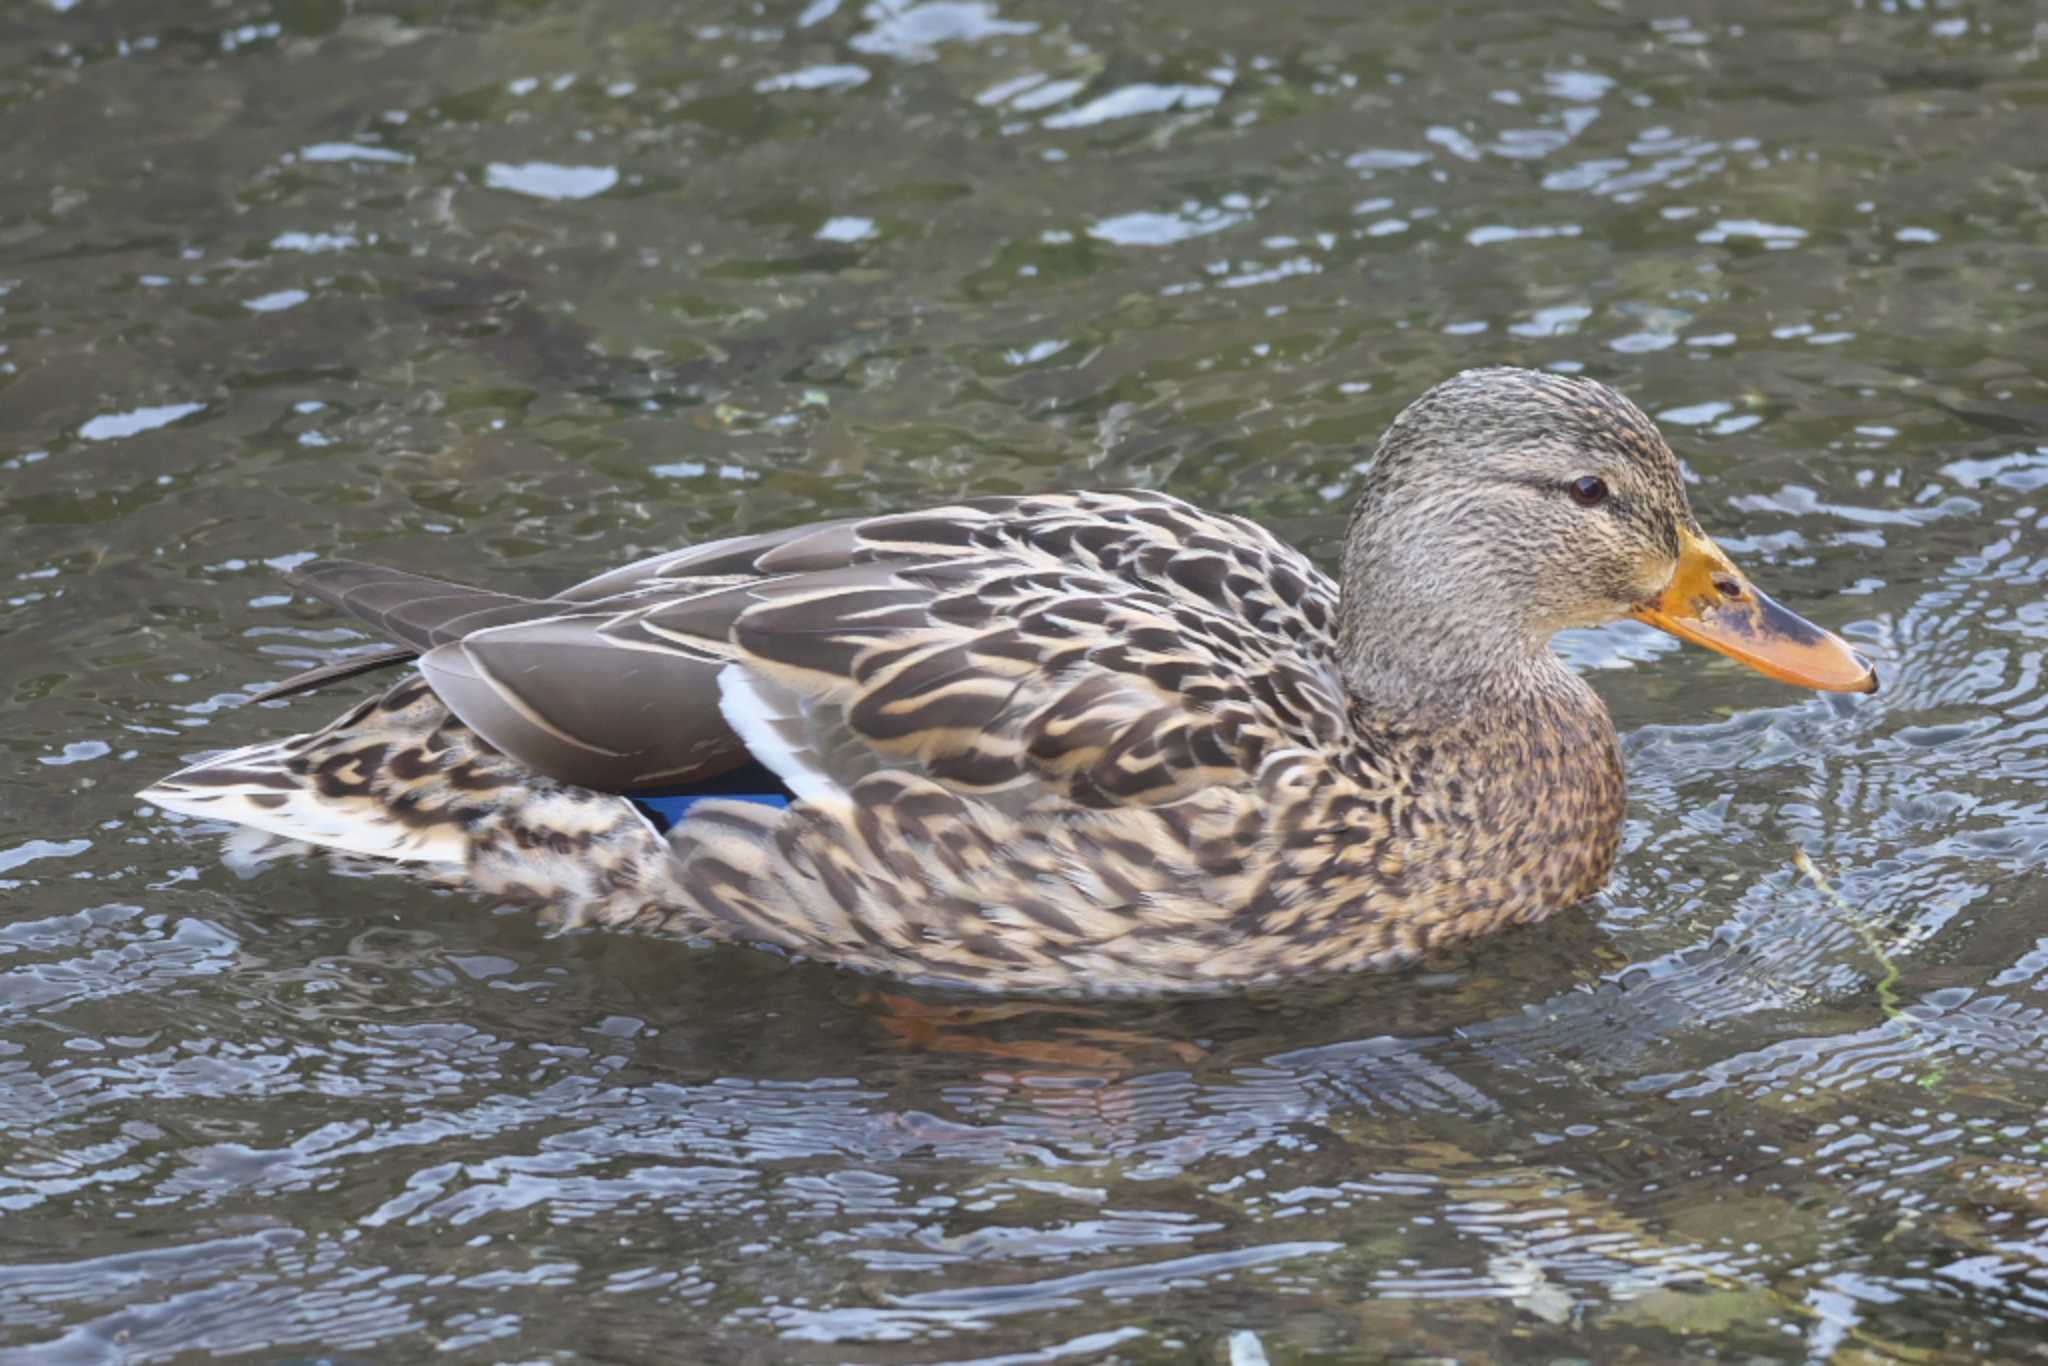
1084 742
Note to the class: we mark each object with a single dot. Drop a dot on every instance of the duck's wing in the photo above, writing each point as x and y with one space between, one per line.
424 612
1107 648
613 695
1100 648
817 545
419 611
584 690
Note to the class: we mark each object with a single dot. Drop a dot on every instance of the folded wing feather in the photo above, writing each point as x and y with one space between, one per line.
1103 649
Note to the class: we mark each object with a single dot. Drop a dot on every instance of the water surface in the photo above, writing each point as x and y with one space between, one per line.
511 292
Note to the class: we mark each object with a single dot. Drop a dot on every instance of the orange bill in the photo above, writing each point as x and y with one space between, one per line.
1711 603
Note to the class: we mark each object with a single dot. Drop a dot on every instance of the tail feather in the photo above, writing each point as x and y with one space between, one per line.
414 608
256 786
420 611
348 667
401 779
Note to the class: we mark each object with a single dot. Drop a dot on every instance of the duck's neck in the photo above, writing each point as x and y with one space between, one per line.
1428 617
1401 659
1509 768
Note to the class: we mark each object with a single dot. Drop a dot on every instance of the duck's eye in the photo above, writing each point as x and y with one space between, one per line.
1589 491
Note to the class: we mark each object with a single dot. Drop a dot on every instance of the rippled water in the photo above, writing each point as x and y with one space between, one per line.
510 292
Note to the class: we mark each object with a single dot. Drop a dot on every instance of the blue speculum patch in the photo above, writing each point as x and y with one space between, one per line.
751 783
665 812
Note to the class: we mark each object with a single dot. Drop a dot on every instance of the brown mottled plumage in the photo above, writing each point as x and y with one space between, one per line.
1086 742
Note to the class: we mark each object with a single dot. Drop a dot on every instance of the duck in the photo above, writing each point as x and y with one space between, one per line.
1065 744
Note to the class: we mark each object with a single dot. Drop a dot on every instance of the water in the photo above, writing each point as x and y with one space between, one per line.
511 292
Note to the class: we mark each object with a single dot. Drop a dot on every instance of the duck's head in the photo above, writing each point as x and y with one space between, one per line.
1505 505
